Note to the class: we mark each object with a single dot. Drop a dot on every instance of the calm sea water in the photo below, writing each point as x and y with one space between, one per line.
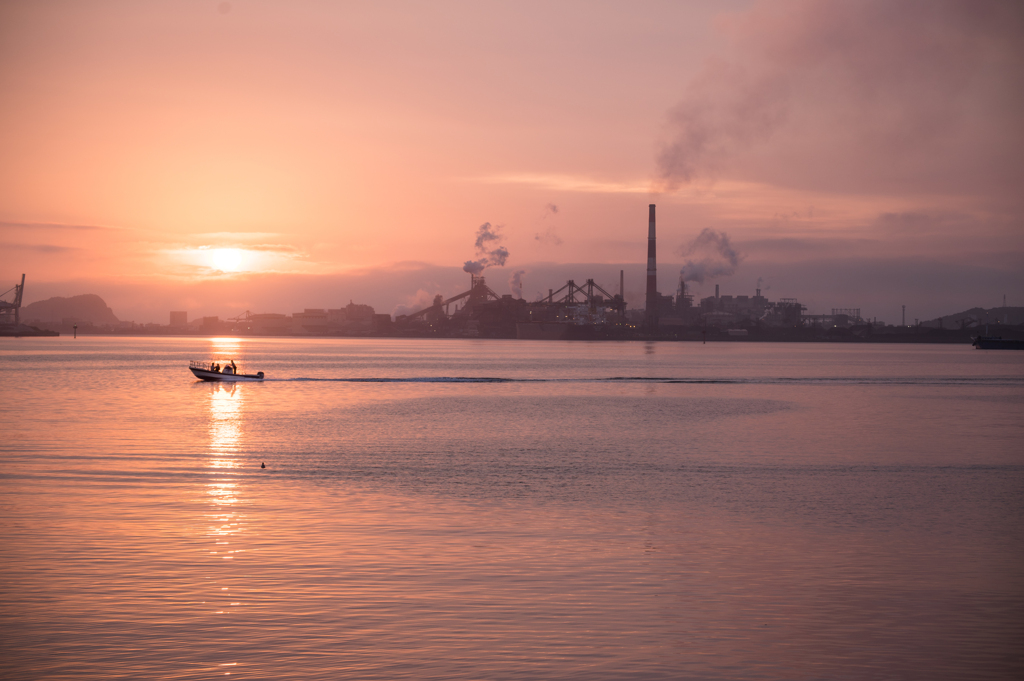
450 509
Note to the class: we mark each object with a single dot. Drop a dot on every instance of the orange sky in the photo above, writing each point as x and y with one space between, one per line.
857 154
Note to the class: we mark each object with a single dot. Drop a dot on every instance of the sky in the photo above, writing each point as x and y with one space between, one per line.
272 156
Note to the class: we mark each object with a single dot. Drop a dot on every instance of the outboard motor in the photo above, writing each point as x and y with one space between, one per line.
259 374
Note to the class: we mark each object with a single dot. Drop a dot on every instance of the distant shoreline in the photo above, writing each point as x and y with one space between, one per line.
957 338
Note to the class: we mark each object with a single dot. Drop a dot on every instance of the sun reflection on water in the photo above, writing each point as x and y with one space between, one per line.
226 404
225 518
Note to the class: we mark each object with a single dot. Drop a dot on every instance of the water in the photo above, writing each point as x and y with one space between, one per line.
508 510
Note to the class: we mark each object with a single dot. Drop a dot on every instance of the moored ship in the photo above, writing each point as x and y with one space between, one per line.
997 343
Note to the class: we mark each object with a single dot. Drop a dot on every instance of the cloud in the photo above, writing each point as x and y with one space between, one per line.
569 183
238 236
53 225
818 246
39 248
281 249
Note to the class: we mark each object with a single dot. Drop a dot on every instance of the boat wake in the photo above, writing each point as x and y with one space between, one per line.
881 381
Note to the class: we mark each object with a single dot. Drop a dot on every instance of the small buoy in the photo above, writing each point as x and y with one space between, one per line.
263 465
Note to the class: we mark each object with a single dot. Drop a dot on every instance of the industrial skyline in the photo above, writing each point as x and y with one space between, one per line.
713 257
326 151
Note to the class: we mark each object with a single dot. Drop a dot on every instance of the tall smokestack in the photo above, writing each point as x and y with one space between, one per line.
652 276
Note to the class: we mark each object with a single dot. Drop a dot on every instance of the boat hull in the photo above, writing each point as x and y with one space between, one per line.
989 343
207 375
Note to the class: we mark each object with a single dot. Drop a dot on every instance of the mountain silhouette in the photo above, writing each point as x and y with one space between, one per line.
88 307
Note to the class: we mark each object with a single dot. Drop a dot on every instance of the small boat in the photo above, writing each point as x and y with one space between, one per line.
229 372
997 343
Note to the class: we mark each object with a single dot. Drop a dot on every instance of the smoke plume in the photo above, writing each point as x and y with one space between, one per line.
486 236
515 283
726 110
710 255
412 304
922 94
549 236
475 267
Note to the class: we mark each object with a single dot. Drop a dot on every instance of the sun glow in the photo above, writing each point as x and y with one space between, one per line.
225 259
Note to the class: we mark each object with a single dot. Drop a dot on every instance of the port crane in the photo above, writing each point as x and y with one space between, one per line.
571 294
9 310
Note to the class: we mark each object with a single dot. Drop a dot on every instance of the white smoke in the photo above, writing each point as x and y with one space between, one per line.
414 303
515 283
711 255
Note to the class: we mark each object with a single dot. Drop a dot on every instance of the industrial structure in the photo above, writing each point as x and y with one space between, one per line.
719 310
10 314
573 311
9 310
589 311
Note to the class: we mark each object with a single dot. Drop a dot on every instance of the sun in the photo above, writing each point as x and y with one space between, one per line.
225 259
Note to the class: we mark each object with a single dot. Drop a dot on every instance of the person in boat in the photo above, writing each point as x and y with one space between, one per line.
215 368
234 369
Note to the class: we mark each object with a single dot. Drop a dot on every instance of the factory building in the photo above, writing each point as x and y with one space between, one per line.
720 311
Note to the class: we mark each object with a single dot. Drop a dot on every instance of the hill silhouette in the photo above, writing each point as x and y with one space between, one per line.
88 307
978 316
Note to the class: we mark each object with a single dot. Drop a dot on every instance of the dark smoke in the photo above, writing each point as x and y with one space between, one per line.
475 267
498 256
711 255
899 90
485 235
725 110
